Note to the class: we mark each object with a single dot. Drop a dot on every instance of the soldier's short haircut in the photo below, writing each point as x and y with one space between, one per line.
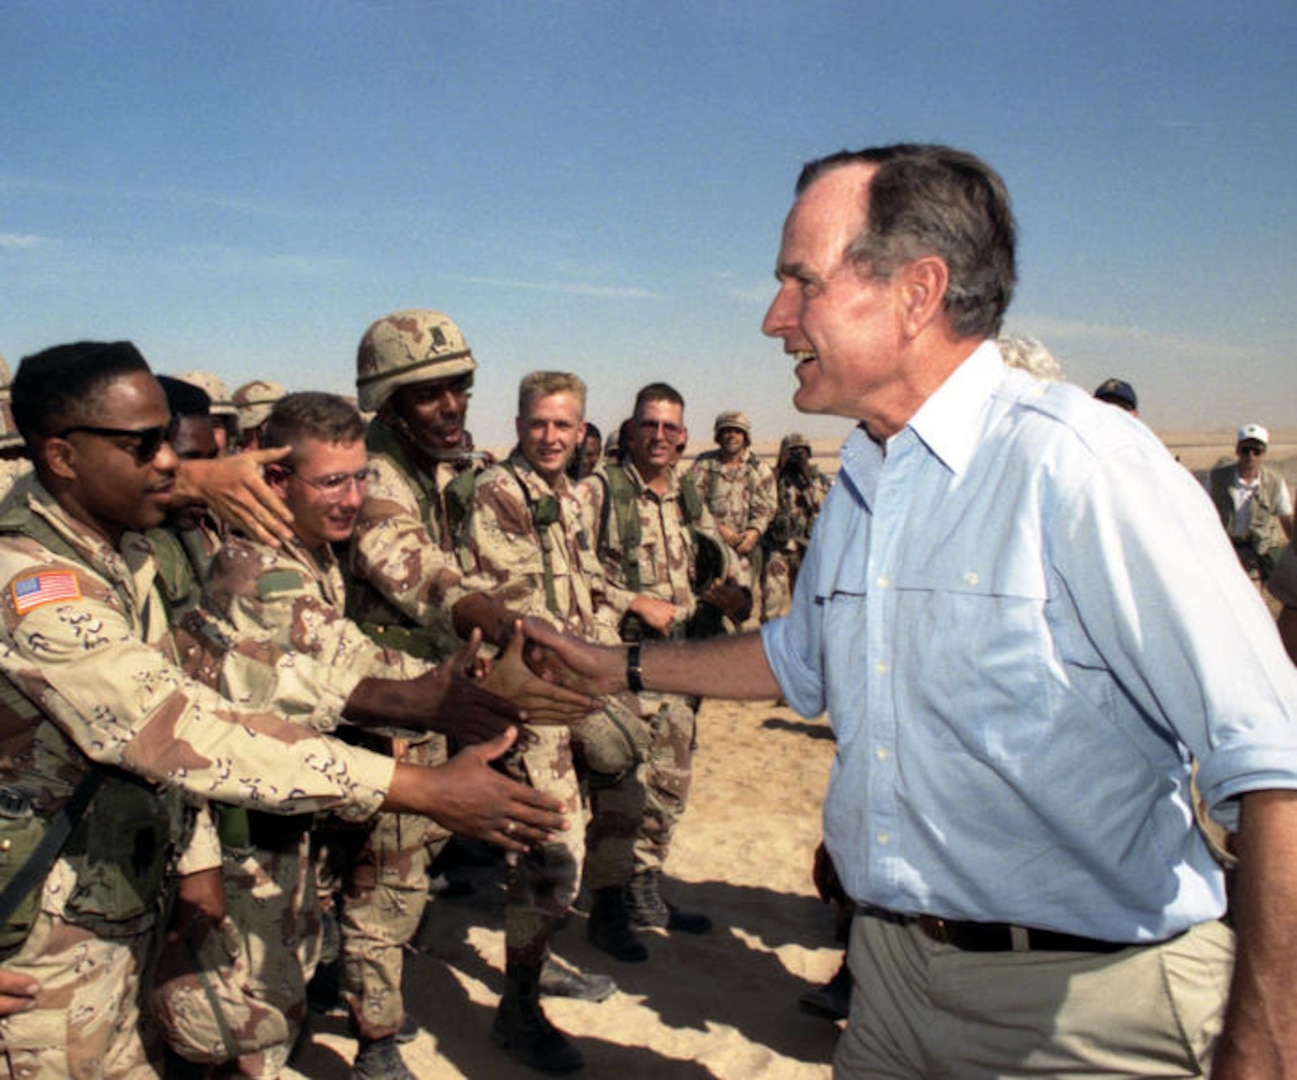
311 414
657 391
544 383
185 399
933 200
55 384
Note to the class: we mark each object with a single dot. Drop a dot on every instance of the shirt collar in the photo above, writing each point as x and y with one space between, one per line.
950 421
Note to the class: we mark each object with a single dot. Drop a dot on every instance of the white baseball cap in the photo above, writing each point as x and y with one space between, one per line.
1255 433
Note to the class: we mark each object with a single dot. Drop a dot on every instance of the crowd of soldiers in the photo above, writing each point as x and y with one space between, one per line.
262 659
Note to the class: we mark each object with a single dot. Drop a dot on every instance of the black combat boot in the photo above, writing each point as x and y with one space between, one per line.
558 978
380 1059
521 1029
647 908
609 927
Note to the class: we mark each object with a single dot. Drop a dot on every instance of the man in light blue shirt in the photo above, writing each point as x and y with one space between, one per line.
1026 630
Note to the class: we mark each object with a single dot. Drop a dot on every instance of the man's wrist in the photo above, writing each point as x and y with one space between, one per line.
634 672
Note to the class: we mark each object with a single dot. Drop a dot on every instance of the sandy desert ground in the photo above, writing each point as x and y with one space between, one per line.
719 1005
722 1005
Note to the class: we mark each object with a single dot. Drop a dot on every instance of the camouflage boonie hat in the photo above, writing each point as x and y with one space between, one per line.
408 347
254 400
732 419
793 440
9 437
222 403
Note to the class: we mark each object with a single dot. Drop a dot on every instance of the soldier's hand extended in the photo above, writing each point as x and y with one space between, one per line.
658 613
732 598
543 701
234 490
465 707
747 541
199 895
470 798
17 992
575 662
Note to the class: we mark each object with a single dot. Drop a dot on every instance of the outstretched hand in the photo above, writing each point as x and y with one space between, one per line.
470 798
543 701
467 708
235 491
573 662
17 992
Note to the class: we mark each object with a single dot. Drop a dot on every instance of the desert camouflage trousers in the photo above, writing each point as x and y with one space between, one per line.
86 1024
543 882
382 868
667 775
248 1003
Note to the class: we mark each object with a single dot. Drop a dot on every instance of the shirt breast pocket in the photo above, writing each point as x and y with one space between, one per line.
973 649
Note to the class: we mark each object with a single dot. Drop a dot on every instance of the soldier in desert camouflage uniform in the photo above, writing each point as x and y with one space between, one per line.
253 402
294 598
13 454
652 585
801 491
415 371
739 489
92 690
225 414
527 537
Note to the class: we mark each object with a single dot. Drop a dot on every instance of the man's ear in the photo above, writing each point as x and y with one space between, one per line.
924 282
276 477
59 456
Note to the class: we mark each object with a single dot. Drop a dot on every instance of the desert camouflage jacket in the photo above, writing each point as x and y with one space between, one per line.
531 543
284 599
741 495
85 643
247 669
798 508
404 565
666 552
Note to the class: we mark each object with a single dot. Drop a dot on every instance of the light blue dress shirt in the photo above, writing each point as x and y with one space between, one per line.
1024 619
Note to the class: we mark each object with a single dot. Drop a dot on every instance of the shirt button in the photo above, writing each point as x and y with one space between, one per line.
883 838
883 581
971 578
881 667
881 753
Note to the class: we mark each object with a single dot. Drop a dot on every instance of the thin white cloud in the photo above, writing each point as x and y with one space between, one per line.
11 241
225 261
181 196
615 292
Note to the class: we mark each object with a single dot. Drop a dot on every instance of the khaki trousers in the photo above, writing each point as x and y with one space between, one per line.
923 1009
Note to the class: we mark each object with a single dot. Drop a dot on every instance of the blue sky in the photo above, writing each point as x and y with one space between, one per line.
599 186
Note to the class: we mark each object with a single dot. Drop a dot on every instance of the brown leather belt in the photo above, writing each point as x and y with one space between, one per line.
996 937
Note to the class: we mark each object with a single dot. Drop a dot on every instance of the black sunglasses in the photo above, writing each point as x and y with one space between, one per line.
148 441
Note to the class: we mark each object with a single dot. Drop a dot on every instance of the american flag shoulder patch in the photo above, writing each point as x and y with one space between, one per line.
47 587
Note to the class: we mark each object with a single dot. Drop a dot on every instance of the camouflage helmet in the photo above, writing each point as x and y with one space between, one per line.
222 403
408 347
732 419
9 437
793 440
254 400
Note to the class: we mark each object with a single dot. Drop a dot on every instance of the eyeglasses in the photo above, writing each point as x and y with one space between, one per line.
1251 450
652 427
148 441
335 486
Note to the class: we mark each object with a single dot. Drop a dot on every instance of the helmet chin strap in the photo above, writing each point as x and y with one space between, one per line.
454 455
